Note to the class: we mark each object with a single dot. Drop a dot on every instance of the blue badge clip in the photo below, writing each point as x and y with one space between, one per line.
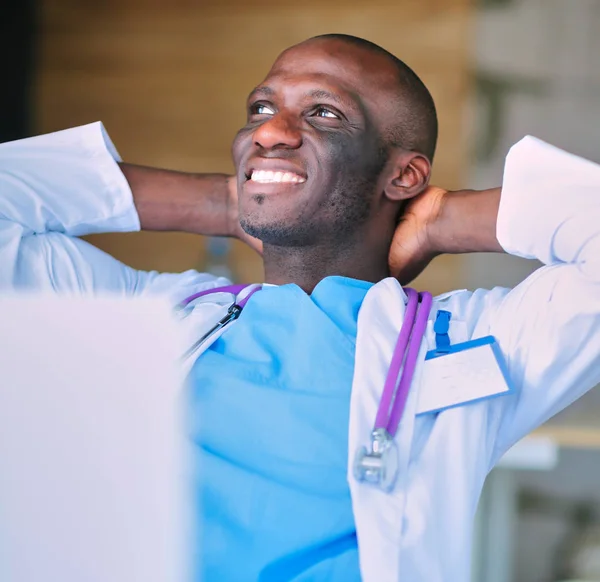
441 327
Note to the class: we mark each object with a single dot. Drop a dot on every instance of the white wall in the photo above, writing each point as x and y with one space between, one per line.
538 68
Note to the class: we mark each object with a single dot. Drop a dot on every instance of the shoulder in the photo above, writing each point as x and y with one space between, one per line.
177 286
475 309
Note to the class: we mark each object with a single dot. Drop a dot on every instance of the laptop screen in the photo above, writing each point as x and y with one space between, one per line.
92 457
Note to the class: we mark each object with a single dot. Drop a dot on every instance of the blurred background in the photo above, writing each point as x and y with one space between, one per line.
169 80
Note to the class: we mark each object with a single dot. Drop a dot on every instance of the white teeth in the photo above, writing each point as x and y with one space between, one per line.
267 177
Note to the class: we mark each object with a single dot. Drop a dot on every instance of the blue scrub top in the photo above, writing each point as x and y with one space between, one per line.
270 410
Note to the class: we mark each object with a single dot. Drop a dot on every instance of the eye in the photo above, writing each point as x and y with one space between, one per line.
325 112
261 109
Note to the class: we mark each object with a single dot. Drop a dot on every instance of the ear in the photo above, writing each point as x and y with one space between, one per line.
408 175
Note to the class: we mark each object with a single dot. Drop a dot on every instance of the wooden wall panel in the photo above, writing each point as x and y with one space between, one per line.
169 81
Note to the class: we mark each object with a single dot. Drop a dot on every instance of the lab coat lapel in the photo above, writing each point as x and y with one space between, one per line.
378 514
199 318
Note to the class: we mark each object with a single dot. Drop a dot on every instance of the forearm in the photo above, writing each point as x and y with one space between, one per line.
466 222
176 201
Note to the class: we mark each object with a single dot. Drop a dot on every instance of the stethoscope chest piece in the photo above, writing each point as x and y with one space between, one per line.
379 465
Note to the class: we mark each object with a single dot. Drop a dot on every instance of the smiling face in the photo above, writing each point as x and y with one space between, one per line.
311 160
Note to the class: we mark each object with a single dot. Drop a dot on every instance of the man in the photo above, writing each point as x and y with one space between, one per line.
332 172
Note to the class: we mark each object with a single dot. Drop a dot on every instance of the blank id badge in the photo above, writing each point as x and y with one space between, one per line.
462 373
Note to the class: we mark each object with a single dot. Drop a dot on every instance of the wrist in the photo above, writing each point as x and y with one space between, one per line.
466 222
231 208
435 230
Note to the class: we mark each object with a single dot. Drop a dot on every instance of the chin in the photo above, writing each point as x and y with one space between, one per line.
280 232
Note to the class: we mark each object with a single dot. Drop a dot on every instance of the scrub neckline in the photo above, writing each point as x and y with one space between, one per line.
354 282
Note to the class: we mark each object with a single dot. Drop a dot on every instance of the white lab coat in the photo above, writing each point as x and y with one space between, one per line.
54 188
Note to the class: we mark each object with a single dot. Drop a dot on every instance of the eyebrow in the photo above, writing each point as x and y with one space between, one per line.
262 90
322 94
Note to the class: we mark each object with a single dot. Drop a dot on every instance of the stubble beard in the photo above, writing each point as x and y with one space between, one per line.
344 212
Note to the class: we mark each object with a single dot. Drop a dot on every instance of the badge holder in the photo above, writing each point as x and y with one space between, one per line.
459 374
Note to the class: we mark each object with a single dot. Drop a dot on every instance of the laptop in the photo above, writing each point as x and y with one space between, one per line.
93 483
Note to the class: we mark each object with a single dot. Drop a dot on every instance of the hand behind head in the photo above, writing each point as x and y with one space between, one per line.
412 247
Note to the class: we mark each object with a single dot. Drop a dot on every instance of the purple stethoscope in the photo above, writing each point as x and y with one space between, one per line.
378 464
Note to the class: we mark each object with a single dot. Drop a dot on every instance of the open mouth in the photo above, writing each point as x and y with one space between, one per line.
275 177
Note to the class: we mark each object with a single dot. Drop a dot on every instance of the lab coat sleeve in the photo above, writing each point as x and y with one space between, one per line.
55 188
548 327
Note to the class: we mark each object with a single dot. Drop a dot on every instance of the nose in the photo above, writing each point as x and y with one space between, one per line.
278 132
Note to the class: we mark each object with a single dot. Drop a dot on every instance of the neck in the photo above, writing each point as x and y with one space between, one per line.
306 266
